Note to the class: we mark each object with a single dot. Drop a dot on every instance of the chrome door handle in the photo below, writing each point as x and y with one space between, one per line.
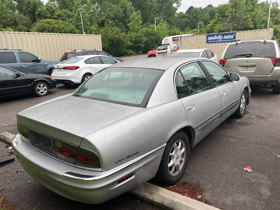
191 108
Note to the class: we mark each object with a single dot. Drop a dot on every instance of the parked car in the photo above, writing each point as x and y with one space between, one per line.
128 123
81 68
75 53
259 60
13 83
201 53
26 62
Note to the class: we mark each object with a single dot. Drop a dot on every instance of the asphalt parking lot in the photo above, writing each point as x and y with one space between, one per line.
217 163
216 167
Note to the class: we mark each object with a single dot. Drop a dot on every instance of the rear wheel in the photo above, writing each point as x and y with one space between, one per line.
242 105
86 77
175 158
41 88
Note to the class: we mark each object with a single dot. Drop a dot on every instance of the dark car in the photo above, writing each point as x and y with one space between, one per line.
74 53
13 82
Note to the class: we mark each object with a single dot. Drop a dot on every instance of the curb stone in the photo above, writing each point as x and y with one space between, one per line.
6 138
149 191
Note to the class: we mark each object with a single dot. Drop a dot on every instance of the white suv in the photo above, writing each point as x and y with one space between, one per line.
259 60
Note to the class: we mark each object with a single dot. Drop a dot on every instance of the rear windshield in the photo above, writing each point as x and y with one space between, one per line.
131 86
72 60
67 55
251 49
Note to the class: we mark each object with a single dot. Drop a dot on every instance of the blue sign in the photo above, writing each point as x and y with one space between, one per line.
220 38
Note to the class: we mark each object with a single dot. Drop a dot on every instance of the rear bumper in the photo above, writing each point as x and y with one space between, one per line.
83 185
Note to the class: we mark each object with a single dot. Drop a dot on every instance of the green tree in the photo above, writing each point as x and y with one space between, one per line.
136 33
54 26
113 40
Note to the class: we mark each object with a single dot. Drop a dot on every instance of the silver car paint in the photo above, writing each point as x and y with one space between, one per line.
127 139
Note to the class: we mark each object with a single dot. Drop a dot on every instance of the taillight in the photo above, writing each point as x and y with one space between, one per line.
71 67
22 130
275 61
223 62
76 155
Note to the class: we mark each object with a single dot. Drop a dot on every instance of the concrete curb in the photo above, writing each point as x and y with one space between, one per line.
168 198
6 138
149 191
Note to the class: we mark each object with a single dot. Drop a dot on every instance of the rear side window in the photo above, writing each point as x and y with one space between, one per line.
107 60
7 57
251 49
94 60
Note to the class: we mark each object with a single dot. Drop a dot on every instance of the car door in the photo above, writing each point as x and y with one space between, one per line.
30 63
228 90
200 99
12 83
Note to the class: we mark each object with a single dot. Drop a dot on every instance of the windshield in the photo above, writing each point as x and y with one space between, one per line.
251 49
163 47
72 60
132 86
186 54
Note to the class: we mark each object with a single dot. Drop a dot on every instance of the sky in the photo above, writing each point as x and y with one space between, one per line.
185 4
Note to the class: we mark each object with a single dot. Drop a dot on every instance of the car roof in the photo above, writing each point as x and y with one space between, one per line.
90 56
162 63
192 50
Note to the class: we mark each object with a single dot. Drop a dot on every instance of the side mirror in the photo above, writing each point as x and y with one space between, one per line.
234 77
17 75
38 60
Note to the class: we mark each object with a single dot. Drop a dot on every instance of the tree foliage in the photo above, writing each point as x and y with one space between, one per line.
134 26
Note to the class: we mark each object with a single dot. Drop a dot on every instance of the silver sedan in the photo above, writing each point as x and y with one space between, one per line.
129 123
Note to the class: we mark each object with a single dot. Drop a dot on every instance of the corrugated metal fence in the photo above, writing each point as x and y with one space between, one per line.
50 46
199 41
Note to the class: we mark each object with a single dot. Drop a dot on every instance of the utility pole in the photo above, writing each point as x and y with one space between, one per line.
156 23
81 10
268 19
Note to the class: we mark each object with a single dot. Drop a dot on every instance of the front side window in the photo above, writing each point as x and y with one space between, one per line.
7 57
131 86
27 57
195 78
218 74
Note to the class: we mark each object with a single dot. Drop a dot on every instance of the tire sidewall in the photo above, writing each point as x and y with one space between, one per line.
84 77
163 175
238 112
36 86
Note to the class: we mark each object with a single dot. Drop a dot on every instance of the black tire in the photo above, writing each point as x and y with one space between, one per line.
41 88
86 77
50 71
152 56
174 160
276 88
240 112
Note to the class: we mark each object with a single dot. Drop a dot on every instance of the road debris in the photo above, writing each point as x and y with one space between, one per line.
248 169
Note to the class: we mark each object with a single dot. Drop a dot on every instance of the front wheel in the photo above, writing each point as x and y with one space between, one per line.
175 158
41 88
242 105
